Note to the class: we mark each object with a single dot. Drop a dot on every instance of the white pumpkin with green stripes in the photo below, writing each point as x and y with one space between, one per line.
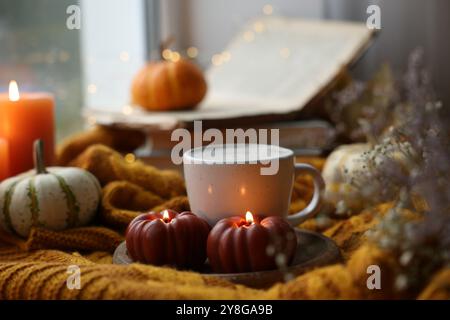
55 198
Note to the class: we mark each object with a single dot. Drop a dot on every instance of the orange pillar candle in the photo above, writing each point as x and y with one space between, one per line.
25 117
4 159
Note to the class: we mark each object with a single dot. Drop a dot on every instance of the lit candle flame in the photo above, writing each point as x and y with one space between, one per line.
166 217
13 91
249 218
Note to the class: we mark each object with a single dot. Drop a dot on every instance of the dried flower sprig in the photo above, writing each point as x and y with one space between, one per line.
363 111
385 171
421 245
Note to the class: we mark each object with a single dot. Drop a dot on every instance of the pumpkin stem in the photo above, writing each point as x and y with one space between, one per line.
38 157
165 45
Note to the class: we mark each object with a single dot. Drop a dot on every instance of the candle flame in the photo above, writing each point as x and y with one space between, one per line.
13 91
166 217
249 217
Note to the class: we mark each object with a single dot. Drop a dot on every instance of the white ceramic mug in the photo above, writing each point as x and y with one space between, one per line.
227 180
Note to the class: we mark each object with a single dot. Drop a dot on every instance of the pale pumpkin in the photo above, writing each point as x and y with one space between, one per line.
168 85
337 172
343 165
55 198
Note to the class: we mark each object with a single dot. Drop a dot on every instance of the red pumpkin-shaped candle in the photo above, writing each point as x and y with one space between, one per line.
168 238
243 245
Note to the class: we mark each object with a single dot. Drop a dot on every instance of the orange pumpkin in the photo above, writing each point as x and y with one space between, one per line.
168 85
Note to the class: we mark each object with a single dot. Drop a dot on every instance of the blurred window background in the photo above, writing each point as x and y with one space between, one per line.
94 66
42 55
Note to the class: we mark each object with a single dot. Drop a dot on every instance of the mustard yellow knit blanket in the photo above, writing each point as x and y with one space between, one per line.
42 266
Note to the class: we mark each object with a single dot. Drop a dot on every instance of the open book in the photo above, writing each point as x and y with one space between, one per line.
273 66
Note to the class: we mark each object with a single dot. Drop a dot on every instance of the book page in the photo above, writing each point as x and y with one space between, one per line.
274 65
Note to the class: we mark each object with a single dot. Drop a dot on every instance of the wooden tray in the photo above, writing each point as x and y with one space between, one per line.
313 250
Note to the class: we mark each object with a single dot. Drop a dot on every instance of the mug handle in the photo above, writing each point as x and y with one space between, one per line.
314 206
